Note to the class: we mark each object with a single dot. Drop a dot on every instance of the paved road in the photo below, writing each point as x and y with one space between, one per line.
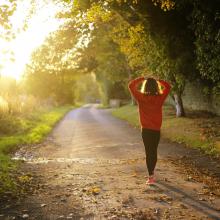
92 166
92 133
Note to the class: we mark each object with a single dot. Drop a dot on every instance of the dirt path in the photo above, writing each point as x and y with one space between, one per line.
92 166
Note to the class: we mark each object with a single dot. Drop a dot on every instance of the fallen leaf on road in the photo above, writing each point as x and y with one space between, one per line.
96 190
24 179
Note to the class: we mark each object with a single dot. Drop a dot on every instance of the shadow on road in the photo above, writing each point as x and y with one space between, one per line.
189 200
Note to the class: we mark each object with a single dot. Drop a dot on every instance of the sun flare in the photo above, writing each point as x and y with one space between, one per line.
15 54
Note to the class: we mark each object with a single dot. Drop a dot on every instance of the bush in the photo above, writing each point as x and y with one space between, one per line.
9 124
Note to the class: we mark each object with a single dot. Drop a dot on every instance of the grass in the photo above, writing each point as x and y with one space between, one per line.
30 129
197 130
33 129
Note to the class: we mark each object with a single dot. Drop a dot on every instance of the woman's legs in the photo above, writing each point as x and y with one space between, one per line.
151 140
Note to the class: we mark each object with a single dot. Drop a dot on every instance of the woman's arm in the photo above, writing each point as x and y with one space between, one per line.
133 87
166 89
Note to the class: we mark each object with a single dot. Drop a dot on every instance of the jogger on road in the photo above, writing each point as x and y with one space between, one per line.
150 104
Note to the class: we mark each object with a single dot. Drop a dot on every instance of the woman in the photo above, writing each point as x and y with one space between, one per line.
150 111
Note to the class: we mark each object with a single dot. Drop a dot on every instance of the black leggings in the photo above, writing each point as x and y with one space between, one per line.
151 140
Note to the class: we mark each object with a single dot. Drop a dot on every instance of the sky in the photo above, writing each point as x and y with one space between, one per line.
40 24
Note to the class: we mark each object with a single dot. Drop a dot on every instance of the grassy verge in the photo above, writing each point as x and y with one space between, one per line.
197 130
30 129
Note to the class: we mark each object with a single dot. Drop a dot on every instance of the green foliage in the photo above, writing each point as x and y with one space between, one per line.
81 5
87 89
177 45
52 63
103 57
155 43
205 22
10 125
128 113
29 129
7 9
122 37
6 182
8 28
166 5
13 101
98 14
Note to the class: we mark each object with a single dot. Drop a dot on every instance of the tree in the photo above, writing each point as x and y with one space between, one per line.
102 56
52 63
156 43
168 43
205 23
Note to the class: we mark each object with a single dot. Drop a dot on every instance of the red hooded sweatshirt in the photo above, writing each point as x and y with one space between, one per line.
150 106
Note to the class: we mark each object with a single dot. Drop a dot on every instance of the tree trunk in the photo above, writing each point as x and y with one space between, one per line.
180 112
133 102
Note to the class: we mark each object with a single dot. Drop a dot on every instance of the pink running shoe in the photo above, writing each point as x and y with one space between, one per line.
151 180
